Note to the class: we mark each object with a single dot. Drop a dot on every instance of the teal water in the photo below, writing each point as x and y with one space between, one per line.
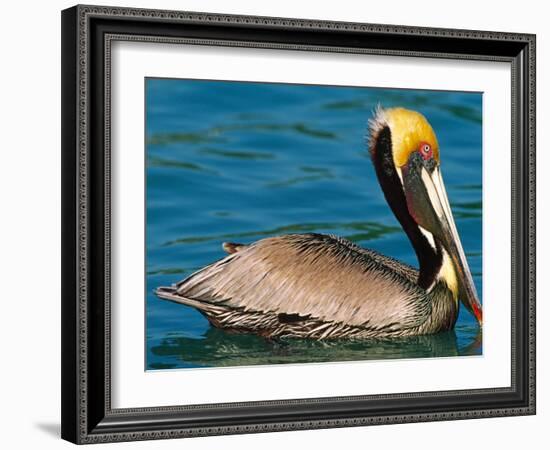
231 161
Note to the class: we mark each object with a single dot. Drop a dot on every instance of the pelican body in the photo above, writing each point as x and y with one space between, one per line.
324 287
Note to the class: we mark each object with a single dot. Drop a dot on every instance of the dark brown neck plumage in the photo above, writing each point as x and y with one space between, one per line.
429 259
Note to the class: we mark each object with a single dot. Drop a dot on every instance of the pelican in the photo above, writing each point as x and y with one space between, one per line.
324 287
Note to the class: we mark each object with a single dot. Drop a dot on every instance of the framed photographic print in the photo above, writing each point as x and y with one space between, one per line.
281 224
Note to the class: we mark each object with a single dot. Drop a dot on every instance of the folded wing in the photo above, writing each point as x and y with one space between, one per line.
322 277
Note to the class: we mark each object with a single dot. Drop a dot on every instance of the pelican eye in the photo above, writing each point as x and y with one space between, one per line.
426 150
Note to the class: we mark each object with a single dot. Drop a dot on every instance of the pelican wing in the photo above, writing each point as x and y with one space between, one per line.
314 276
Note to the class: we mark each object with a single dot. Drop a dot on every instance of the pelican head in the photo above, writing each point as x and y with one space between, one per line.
406 157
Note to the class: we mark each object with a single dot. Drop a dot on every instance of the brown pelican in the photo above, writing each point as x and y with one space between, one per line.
322 286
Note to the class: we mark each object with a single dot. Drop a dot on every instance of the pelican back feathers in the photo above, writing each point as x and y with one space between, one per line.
309 285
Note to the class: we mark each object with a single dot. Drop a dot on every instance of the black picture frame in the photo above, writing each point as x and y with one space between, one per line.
87 415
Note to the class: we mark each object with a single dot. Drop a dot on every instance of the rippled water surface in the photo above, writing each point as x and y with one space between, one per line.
230 161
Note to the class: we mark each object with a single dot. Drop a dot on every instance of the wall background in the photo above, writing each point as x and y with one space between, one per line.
30 225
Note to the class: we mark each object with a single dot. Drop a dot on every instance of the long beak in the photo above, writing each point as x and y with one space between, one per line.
428 204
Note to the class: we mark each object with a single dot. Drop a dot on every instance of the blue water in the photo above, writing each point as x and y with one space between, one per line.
231 161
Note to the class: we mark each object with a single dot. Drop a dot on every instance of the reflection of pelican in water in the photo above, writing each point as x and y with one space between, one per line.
218 348
321 286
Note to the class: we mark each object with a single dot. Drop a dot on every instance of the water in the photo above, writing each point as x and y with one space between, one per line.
231 161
